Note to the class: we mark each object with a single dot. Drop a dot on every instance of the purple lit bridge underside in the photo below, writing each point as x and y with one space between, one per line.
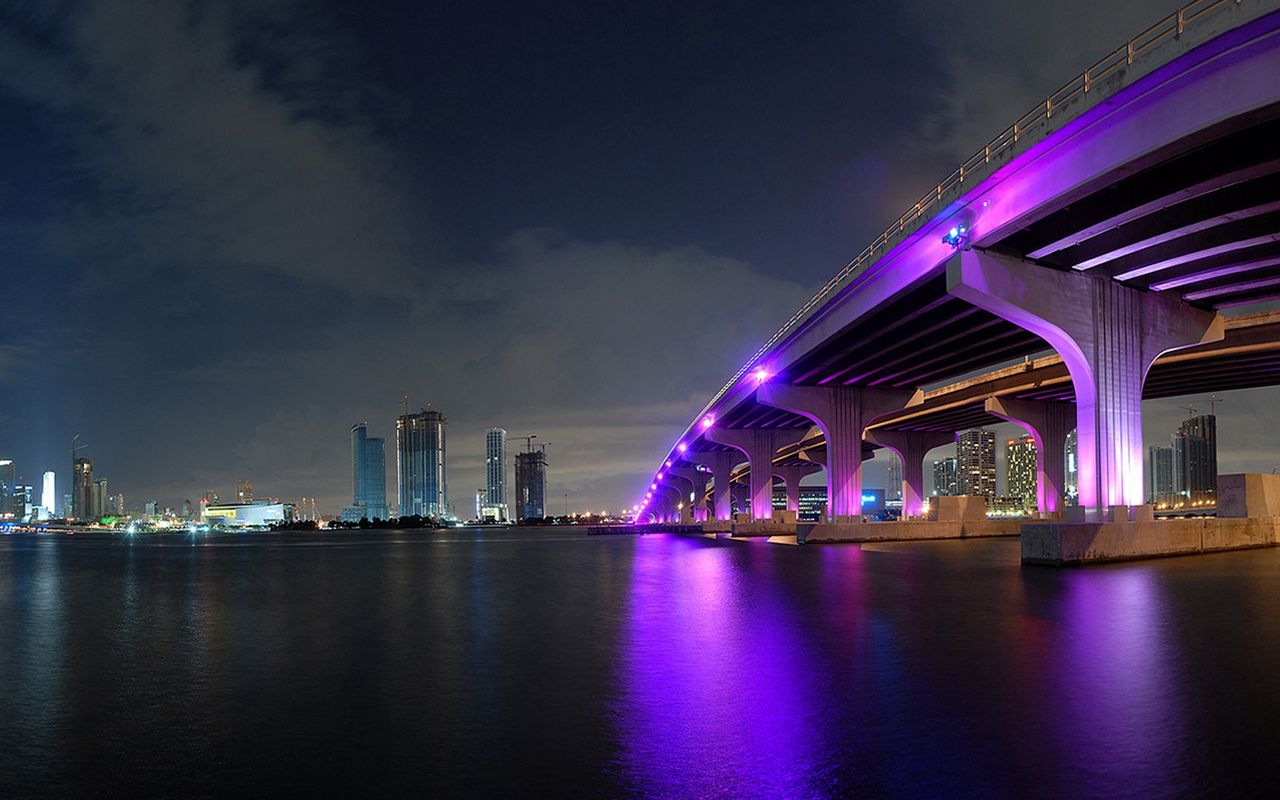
1114 231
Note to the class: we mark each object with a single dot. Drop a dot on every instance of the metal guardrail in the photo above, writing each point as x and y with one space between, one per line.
978 165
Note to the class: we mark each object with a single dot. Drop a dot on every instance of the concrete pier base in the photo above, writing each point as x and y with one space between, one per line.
1062 543
905 530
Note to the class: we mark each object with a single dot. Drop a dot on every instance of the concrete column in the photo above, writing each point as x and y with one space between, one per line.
721 464
760 446
665 498
842 412
1108 335
684 489
1048 423
698 480
911 447
791 475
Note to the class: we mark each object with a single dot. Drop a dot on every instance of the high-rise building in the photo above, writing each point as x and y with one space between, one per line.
420 464
8 482
893 491
495 474
1195 457
82 488
1020 480
117 504
944 478
531 484
49 493
368 476
1071 477
98 506
244 492
976 463
1160 470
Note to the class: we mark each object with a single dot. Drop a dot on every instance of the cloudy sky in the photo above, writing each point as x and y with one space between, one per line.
230 230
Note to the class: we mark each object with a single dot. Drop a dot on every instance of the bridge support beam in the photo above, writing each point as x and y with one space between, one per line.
760 445
842 412
1108 335
791 475
1048 423
721 464
698 480
911 447
684 489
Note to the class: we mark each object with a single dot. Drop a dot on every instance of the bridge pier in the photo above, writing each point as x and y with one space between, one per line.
842 412
721 464
911 447
791 475
759 445
684 488
1108 336
698 480
1048 423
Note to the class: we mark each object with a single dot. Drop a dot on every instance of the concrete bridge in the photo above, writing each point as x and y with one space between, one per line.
1111 224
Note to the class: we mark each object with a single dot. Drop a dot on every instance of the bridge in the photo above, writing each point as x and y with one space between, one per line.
1113 225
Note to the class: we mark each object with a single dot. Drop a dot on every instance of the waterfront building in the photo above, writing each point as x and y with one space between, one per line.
1195 456
420 464
244 492
81 488
99 501
976 463
1160 470
257 514
49 493
495 475
368 476
1020 478
8 482
944 478
813 502
531 484
1071 477
893 491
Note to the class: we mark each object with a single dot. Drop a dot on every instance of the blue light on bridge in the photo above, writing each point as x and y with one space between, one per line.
956 236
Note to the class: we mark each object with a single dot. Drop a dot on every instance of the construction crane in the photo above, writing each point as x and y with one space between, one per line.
1213 404
528 441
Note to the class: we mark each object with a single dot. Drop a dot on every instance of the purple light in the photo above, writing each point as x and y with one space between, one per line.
682 447
708 420
760 374
653 487
668 465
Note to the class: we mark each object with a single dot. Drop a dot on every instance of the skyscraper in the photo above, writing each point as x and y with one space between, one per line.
976 463
7 486
893 489
49 493
1195 457
81 488
1160 470
244 492
495 473
420 464
1071 478
98 506
531 484
368 476
944 477
1020 481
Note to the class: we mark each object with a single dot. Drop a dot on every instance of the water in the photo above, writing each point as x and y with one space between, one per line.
547 663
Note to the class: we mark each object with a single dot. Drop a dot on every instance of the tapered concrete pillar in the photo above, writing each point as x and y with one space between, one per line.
842 412
1048 423
791 475
698 480
684 493
759 445
1108 335
911 447
665 498
721 464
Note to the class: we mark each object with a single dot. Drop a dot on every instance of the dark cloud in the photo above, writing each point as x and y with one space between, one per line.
231 229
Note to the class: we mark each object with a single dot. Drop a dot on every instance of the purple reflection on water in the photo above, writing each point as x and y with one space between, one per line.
717 693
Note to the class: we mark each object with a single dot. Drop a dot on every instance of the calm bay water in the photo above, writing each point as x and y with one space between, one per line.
546 663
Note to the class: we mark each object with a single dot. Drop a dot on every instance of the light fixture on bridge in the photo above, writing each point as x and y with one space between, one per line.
760 374
956 236
708 421
668 465
659 476
653 487
682 447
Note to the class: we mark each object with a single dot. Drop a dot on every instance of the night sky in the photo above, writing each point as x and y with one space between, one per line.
229 231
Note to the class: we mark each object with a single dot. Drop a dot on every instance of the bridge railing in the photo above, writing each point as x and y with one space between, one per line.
979 164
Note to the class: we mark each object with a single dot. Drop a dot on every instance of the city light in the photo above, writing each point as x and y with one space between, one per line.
708 421
682 447
956 236
760 374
